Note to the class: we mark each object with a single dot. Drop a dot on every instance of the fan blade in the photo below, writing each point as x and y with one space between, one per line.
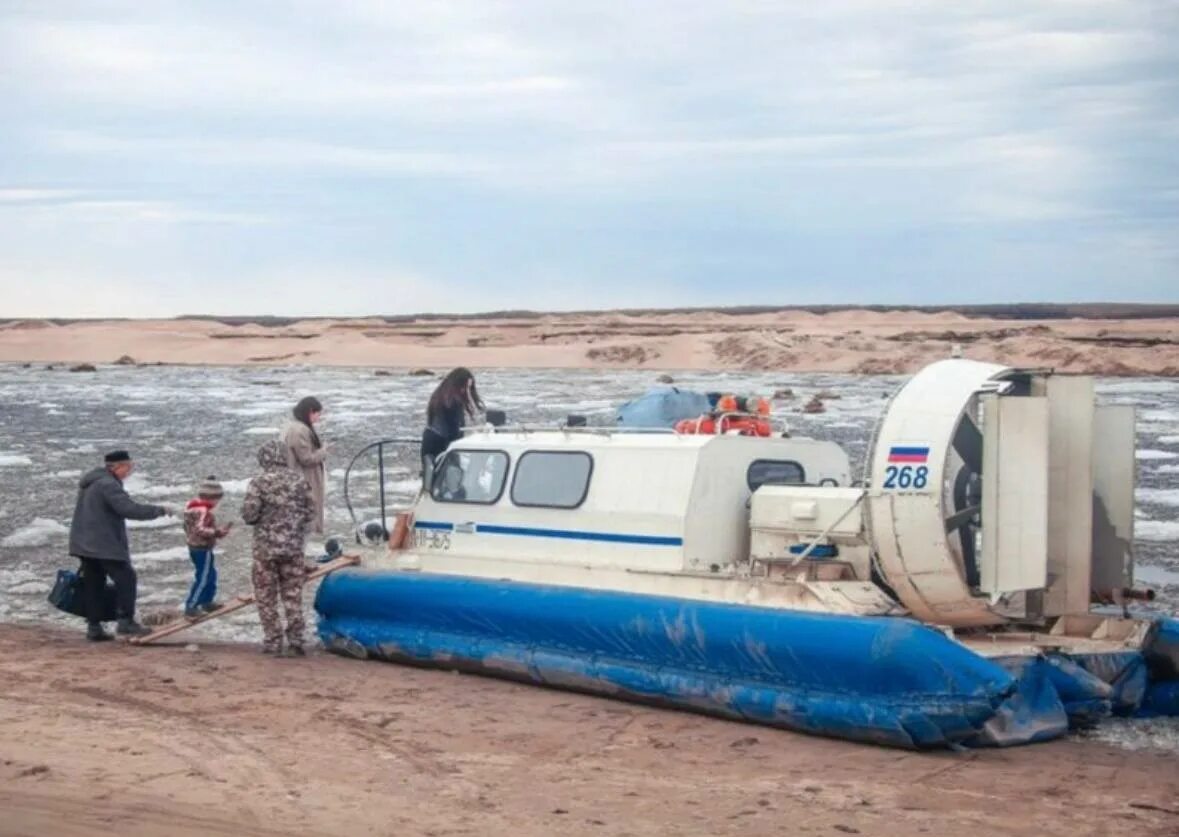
961 484
969 558
968 443
961 518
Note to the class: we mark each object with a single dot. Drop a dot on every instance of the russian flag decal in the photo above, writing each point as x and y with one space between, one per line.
909 454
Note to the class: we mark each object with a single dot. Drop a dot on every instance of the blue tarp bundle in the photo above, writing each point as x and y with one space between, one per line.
1162 656
1034 713
883 680
1055 694
1160 699
1126 674
662 407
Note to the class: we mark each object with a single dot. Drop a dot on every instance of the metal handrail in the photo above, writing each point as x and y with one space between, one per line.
602 430
380 446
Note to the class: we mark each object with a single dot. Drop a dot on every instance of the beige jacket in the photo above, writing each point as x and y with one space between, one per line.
304 458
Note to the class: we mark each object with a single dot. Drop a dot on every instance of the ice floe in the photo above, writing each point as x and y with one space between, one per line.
1160 496
172 553
158 523
30 588
40 532
1156 530
166 490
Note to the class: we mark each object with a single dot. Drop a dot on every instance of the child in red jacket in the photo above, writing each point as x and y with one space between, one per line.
202 533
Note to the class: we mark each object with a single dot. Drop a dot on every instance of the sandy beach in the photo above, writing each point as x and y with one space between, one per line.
860 341
112 739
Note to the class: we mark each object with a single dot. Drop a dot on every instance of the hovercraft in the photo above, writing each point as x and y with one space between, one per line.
971 589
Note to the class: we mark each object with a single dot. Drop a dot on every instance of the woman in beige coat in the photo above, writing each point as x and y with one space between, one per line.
306 453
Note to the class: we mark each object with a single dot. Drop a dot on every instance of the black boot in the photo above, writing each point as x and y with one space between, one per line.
129 627
95 633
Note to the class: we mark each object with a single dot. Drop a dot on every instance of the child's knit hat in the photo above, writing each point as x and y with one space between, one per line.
210 489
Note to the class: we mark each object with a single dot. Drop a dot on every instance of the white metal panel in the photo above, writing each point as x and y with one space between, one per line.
1114 477
716 529
1015 494
716 525
1070 494
778 507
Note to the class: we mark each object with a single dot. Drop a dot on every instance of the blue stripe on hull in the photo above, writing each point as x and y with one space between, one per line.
562 534
433 525
882 680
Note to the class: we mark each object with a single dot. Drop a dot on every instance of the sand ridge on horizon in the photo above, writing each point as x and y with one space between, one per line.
866 341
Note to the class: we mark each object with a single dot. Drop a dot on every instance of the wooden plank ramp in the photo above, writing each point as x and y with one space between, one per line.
235 604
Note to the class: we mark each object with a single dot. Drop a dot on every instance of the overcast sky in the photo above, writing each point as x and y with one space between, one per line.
159 158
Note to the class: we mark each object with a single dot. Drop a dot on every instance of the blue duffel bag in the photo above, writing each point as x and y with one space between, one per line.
68 596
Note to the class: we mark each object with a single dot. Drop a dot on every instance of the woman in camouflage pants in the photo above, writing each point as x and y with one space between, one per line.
280 507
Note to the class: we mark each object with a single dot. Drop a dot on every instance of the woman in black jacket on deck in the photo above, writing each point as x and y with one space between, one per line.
454 400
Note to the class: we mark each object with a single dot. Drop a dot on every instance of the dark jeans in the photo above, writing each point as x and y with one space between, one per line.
433 446
94 575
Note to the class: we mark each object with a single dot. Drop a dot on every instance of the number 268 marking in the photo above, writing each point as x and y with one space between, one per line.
906 476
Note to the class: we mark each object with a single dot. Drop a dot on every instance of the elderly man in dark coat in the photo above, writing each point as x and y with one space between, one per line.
98 537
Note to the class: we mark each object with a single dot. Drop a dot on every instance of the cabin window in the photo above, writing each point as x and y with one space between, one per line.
470 476
552 479
774 472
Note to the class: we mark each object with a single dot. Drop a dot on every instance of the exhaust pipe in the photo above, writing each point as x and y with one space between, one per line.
1118 595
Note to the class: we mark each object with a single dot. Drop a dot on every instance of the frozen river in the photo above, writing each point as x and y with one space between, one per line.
183 423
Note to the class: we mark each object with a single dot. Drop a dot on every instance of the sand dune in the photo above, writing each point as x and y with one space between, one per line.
866 341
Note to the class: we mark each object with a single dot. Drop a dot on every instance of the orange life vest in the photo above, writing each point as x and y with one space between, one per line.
707 425
736 404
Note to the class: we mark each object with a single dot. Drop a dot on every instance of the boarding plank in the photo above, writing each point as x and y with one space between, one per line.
236 604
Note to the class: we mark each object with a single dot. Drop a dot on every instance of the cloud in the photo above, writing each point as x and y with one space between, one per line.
24 196
854 150
62 204
262 152
223 62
